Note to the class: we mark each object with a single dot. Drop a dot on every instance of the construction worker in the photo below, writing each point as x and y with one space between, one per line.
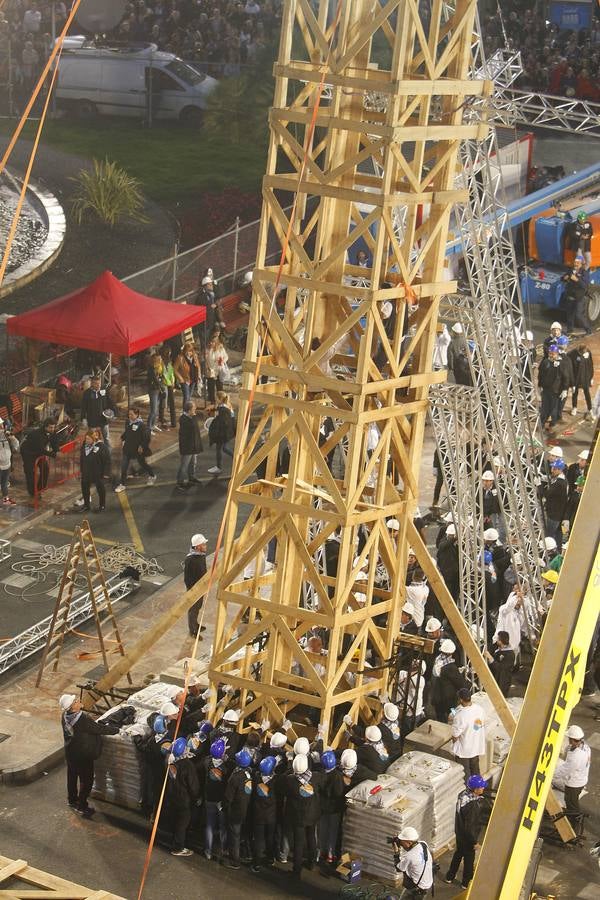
467 827
214 772
302 791
353 772
446 680
555 333
194 569
83 745
332 806
182 792
447 559
468 733
554 495
573 772
264 812
390 730
226 729
577 469
414 860
502 661
238 794
582 234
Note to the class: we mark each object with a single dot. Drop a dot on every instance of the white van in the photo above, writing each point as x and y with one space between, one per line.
130 81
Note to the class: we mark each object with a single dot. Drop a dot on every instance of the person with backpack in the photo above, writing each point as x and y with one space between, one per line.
221 430
136 447
414 860
8 445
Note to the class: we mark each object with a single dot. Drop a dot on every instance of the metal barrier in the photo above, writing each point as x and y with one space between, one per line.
50 471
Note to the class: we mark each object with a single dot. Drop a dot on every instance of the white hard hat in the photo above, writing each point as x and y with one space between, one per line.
433 624
411 552
386 309
487 475
278 740
549 543
390 711
451 530
348 759
457 328
373 734
575 733
585 454
490 534
248 278
232 715
169 709
556 325
518 559
66 701
207 280
198 539
409 609
555 451
408 834
529 335
300 764
393 524
447 646
302 747
448 517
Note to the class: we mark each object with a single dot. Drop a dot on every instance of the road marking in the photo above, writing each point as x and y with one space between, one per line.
131 524
56 530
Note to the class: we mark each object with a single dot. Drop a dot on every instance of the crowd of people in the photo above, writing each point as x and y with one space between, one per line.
559 62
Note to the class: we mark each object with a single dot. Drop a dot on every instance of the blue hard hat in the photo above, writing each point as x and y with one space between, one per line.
553 348
160 725
476 781
559 464
205 727
328 760
217 749
243 758
562 341
267 765
179 747
487 557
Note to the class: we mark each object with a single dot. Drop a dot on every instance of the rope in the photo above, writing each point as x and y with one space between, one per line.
55 51
17 214
237 460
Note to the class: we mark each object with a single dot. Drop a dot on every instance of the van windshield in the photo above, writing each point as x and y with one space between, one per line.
184 71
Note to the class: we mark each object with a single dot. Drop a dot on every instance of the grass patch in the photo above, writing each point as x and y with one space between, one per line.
171 162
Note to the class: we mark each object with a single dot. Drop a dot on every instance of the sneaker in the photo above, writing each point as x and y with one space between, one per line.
255 869
449 880
119 488
207 855
79 502
214 470
87 812
151 479
573 412
183 852
72 804
157 428
8 501
231 864
100 509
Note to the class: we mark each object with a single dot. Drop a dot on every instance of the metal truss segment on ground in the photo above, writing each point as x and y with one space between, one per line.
33 639
455 412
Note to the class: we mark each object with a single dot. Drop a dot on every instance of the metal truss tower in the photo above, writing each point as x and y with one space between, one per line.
367 45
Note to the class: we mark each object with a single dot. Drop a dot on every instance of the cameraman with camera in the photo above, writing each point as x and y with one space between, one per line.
413 858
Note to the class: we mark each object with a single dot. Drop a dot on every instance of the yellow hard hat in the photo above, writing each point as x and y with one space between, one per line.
551 576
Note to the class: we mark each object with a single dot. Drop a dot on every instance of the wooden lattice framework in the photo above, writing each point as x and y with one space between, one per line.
16 872
361 168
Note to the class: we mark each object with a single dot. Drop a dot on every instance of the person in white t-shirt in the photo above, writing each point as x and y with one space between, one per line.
572 773
468 733
417 593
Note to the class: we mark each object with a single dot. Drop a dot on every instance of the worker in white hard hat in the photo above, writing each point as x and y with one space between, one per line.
302 791
389 726
227 731
490 501
207 297
373 753
417 593
577 470
573 772
414 860
83 744
194 569
446 680
409 617
410 697
555 333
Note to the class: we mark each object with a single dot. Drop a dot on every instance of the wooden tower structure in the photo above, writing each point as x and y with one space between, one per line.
346 348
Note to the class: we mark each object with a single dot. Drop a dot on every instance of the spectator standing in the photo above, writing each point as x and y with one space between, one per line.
194 569
136 447
39 443
8 445
168 398
187 370
190 445
583 377
94 403
94 465
216 359
157 390
551 384
221 430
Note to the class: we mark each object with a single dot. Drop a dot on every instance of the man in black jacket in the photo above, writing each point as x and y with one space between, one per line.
447 560
467 825
40 442
577 469
83 745
554 495
136 446
552 385
238 794
194 568
190 445
502 662
302 790
94 403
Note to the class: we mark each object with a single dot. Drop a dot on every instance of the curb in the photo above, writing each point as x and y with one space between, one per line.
18 776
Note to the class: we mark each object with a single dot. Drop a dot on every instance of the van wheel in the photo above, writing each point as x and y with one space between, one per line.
85 109
593 306
191 117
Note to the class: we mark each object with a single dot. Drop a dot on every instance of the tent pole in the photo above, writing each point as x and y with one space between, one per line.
128 383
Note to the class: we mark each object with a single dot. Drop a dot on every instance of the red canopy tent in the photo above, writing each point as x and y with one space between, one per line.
106 316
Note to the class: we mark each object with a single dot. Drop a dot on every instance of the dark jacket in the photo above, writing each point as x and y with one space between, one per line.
233 740
95 464
502 668
551 377
333 796
369 758
155 379
555 495
183 784
93 404
467 819
222 427
583 368
194 568
573 473
302 801
37 442
392 743
213 780
84 744
136 439
190 435
445 688
447 560
238 794
265 799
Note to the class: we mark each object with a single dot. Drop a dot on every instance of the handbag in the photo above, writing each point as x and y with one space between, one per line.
223 373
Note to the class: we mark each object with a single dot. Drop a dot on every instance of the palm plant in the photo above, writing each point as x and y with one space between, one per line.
109 192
